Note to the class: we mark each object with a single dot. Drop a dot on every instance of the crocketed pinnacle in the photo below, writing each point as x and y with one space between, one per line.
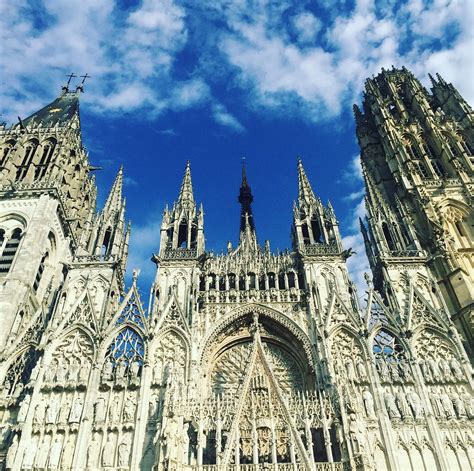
186 195
305 192
114 200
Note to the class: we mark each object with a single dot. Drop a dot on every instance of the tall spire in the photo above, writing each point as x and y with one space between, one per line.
305 192
186 195
245 200
114 200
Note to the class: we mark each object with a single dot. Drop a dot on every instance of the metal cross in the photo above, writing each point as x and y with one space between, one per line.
71 76
84 77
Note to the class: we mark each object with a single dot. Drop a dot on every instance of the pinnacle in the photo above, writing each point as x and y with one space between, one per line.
305 192
114 200
186 194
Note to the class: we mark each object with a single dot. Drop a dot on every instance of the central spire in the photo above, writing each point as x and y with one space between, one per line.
186 196
247 237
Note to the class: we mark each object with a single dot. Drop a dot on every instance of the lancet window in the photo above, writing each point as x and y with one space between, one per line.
42 166
124 358
9 251
30 150
6 151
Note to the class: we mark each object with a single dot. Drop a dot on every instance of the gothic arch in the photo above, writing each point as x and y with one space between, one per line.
115 332
422 335
82 329
254 308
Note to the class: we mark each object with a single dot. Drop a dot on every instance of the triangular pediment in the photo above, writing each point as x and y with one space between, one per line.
81 313
261 407
421 312
173 316
131 310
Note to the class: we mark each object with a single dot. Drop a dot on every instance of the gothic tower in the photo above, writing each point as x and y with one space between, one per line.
418 164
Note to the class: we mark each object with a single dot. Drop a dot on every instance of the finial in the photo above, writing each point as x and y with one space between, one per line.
136 273
80 87
70 77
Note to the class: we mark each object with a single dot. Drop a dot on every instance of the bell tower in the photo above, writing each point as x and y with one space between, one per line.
416 152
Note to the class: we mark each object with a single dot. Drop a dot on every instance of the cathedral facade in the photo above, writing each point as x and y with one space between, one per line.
249 359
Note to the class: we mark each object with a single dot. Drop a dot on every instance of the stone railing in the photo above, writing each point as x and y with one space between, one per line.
266 467
179 254
320 249
407 253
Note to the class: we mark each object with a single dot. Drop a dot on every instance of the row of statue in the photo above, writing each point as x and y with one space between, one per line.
50 411
64 371
50 454
403 405
450 404
441 371
109 452
114 412
393 369
121 370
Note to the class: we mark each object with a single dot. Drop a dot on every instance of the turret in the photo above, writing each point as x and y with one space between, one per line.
182 227
313 222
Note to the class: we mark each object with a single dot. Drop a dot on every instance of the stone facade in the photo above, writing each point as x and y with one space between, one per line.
249 359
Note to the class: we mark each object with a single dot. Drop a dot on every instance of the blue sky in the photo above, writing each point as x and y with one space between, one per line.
215 81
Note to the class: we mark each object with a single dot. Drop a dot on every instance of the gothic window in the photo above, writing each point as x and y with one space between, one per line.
41 168
301 281
222 283
291 279
202 283
2 238
30 150
271 280
438 168
19 372
131 313
453 146
9 251
421 169
281 280
182 234
212 281
124 356
413 149
305 231
465 144
316 230
40 271
242 282
106 242
232 280
6 151
252 281
193 237
388 236
390 358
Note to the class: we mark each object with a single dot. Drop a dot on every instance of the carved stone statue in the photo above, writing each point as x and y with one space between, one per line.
134 369
458 405
361 371
64 412
383 370
12 452
124 454
153 406
426 372
157 373
435 371
73 373
368 403
468 401
99 409
356 432
35 372
61 374
185 443
129 409
121 370
39 413
93 451
84 371
402 404
68 452
447 406
445 369
456 369
168 437
50 371
25 405
438 409
114 410
415 403
108 370
76 410
52 410
392 409
30 453
55 453
406 371
43 452
108 452
350 373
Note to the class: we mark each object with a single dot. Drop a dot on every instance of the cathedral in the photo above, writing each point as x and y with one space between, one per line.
250 359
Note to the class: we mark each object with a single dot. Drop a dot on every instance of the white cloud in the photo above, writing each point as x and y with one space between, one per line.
307 27
223 117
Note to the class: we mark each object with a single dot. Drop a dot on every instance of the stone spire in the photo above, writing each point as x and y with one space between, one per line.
305 192
247 225
186 195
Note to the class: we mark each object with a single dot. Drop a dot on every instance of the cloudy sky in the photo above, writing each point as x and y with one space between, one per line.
215 81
